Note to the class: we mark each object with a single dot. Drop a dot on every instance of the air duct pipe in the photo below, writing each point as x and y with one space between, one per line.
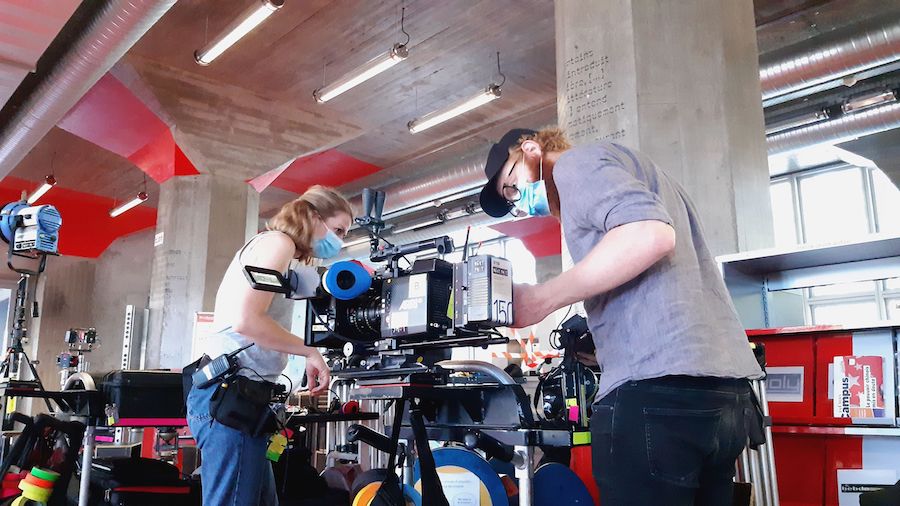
116 27
475 220
849 126
446 183
862 51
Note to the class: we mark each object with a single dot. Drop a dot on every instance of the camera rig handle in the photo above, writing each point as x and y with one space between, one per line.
477 366
442 244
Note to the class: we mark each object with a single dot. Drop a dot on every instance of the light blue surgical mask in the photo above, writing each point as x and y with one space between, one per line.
328 246
533 196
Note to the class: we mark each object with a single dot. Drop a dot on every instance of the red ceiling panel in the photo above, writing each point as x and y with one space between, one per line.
112 117
87 229
542 236
329 168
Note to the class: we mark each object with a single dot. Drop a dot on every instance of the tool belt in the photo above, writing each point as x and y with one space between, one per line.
243 404
239 402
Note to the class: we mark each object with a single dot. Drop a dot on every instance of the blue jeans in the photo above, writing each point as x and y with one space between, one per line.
234 470
671 440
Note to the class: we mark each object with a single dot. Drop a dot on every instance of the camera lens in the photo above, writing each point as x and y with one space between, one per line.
365 317
345 280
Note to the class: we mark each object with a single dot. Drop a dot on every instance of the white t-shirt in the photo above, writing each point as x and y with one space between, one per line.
256 359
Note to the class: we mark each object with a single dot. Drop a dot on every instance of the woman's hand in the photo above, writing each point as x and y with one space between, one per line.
318 375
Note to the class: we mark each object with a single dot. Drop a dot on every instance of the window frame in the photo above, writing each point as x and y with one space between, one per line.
881 295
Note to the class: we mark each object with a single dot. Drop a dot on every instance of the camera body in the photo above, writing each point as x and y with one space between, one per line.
434 302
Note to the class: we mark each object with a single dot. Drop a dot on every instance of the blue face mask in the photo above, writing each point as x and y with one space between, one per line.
328 246
533 196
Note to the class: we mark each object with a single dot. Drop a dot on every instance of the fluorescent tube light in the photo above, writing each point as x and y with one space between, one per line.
49 182
242 25
356 242
866 101
362 73
490 93
796 122
138 200
417 226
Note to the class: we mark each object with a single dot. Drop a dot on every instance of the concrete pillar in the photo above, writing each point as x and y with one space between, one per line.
202 221
678 80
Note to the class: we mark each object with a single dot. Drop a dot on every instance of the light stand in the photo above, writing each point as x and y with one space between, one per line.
15 352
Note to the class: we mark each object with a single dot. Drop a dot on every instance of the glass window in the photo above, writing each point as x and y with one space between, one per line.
844 313
524 268
893 308
834 205
892 284
783 214
887 202
493 248
857 288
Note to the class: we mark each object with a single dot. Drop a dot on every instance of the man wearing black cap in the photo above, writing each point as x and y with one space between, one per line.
674 406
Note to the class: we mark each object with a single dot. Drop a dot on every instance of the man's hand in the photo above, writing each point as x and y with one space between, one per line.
318 376
529 305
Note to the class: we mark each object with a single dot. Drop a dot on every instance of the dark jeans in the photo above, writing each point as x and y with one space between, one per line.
670 441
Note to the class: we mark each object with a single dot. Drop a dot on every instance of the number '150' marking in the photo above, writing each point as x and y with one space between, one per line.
503 312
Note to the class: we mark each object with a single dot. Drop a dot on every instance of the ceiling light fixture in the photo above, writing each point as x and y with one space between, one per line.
797 121
356 242
136 201
241 26
367 70
869 100
489 94
49 182
417 226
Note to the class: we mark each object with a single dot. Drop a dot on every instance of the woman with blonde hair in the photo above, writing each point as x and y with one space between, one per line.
235 470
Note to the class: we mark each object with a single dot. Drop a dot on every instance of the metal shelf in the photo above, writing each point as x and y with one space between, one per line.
836 431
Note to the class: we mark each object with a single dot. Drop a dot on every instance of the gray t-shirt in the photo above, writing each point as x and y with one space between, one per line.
677 317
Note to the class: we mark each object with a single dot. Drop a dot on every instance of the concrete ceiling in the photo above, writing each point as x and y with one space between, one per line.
85 167
252 110
27 27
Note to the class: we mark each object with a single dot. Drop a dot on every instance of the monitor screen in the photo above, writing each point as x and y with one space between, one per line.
263 278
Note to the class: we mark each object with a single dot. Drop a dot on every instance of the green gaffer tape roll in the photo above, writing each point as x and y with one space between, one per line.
44 474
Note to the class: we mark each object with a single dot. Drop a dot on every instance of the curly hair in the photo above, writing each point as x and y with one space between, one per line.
550 139
297 218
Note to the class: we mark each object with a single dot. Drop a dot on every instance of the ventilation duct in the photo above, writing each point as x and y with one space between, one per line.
862 51
845 128
475 220
117 26
450 183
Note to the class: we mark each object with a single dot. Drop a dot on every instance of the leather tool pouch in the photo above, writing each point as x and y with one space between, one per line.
243 404
756 422
187 374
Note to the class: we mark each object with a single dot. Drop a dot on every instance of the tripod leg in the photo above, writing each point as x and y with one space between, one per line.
37 378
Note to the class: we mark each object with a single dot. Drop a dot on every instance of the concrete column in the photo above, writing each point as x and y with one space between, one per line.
201 222
678 80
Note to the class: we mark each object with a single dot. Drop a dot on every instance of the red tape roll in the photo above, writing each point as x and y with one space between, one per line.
34 480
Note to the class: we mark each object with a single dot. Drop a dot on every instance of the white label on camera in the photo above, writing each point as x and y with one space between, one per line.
410 304
418 286
399 320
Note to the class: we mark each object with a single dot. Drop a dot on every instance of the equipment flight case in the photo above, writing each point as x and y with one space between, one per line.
144 394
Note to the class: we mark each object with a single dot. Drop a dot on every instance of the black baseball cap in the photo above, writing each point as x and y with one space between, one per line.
492 202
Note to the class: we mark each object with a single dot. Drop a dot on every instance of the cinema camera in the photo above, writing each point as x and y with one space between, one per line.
398 316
